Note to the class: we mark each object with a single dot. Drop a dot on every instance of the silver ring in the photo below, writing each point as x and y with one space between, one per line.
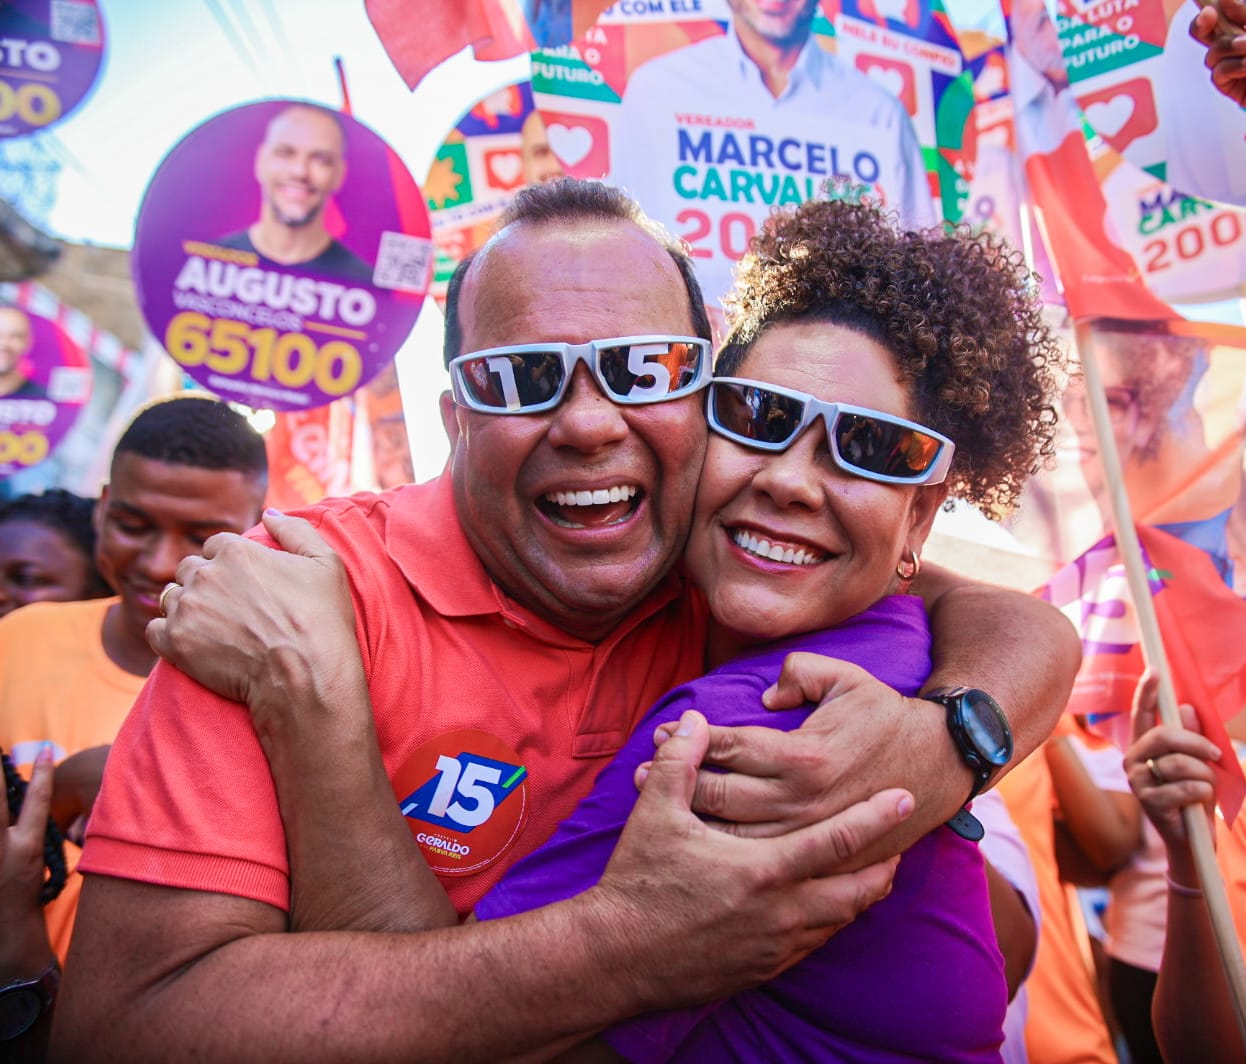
1156 774
165 594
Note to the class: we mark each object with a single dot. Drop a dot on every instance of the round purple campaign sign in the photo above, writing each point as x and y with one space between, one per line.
50 52
44 381
282 254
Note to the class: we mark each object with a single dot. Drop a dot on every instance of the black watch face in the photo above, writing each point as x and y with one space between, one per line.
19 1008
987 728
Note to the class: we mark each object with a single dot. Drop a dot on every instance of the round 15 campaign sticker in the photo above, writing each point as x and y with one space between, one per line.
44 381
50 53
465 797
282 254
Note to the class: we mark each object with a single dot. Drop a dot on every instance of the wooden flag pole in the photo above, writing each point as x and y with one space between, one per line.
1196 827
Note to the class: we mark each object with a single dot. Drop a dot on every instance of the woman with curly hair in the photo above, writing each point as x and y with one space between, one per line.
868 372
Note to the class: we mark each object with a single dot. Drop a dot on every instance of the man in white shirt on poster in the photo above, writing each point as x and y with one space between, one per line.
711 136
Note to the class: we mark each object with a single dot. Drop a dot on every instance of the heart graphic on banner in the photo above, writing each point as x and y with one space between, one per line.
570 143
505 168
888 77
990 82
1109 116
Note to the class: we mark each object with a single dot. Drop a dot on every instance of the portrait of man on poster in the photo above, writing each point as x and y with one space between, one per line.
299 165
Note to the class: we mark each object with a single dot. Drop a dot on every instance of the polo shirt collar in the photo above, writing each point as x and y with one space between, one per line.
810 65
423 526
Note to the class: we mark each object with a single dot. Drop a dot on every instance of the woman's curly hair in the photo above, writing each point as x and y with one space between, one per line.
960 313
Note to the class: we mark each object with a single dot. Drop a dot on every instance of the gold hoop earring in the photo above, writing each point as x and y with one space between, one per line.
908 568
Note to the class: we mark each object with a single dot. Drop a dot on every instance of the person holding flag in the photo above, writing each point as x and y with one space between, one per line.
1168 769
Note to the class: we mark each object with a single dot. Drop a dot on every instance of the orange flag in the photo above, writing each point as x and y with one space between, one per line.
1202 624
309 454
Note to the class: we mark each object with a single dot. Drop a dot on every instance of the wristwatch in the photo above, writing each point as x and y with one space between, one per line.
23 1001
981 733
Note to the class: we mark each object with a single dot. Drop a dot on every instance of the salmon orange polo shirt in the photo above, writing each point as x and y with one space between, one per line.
492 723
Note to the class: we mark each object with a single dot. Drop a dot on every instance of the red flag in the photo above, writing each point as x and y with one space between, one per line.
381 402
1203 626
419 36
1100 278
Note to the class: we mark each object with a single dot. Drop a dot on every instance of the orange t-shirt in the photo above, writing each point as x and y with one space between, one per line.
1064 1024
492 723
57 685
1231 856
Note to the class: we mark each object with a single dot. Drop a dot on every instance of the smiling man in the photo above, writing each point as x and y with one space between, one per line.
433 676
184 469
299 165
540 164
16 340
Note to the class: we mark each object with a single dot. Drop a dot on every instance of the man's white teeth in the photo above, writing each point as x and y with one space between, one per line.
775 552
600 497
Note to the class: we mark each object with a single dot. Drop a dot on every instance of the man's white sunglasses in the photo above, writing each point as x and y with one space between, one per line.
531 378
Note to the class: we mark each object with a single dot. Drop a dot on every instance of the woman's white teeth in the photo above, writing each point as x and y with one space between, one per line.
600 497
775 552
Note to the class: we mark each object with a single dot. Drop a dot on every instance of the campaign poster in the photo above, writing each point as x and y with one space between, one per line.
1174 393
494 150
45 379
50 55
1176 396
670 100
986 188
282 254
1140 79
1189 249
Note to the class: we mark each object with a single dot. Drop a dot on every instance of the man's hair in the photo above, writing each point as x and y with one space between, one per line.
70 515
195 430
568 201
958 312
307 105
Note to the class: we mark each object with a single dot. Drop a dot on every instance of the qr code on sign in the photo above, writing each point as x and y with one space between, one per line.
403 262
74 22
69 384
